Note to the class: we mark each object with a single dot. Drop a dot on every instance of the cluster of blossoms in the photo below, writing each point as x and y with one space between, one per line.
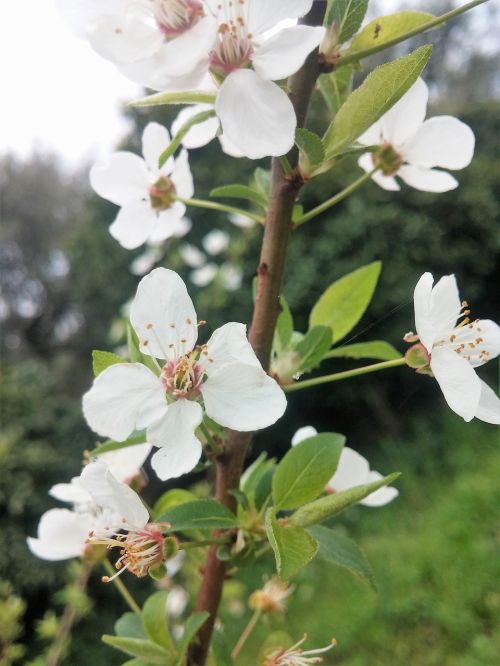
235 48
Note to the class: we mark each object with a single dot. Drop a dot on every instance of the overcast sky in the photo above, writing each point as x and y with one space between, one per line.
58 95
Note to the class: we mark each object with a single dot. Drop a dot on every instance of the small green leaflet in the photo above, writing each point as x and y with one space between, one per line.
103 359
386 28
199 515
344 302
326 507
237 191
293 547
154 618
348 16
306 469
311 149
381 89
193 623
284 327
172 498
138 647
185 97
313 347
338 549
336 87
378 349
129 625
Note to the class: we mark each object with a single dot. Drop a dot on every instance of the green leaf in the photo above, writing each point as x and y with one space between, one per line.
200 514
135 662
154 618
313 346
240 192
103 359
253 473
262 178
348 16
171 498
306 469
293 547
336 87
111 445
385 28
381 89
377 349
284 327
263 491
343 304
326 507
311 148
221 650
138 647
338 549
136 356
184 97
130 625
193 623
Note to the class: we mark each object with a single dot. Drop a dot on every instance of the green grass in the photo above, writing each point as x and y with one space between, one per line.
434 552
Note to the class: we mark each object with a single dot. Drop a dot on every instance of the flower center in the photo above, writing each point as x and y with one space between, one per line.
183 378
140 550
466 339
388 159
176 16
162 194
234 46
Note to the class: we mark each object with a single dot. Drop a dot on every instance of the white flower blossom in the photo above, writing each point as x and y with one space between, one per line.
160 44
456 348
146 193
192 256
296 656
203 276
411 147
231 276
63 533
224 372
353 470
215 242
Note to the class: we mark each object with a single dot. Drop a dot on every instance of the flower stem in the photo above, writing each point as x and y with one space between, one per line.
246 633
336 199
364 53
337 376
177 140
215 205
209 437
120 586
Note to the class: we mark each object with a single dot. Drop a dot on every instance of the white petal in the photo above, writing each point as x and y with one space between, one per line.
134 224
109 493
479 341
123 398
229 344
427 180
264 14
126 463
121 178
442 141
70 492
401 122
200 134
353 470
372 136
488 409
229 148
153 73
243 397
163 315
216 241
303 433
155 139
80 14
180 449
62 534
125 38
285 52
381 496
169 223
181 176
436 309
385 182
458 381
203 276
256 115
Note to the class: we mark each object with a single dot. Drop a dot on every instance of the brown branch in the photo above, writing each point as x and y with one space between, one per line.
229 464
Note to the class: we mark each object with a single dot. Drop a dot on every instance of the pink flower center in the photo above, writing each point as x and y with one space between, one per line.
162 193
182 378
176 16
140 549
234 48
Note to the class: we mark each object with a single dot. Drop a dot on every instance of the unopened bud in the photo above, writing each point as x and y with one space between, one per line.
417 357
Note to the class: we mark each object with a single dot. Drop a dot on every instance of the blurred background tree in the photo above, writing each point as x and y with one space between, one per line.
64 280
